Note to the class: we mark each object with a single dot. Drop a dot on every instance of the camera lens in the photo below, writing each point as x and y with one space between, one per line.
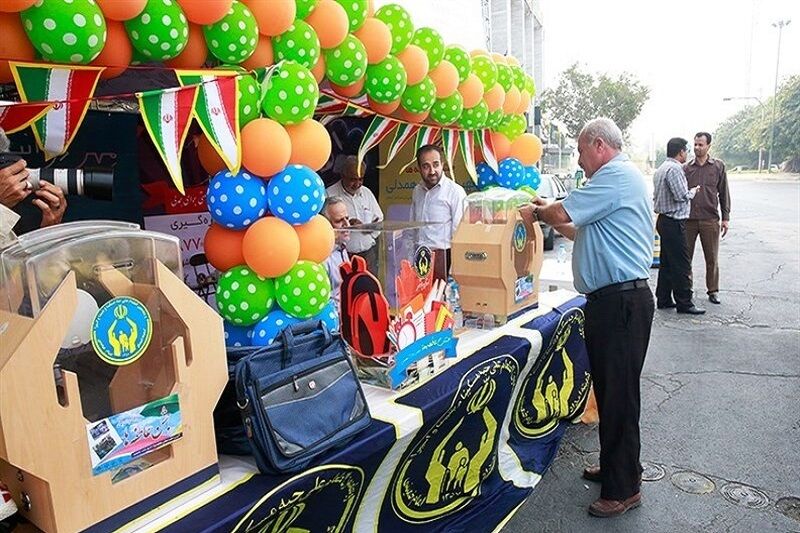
94 183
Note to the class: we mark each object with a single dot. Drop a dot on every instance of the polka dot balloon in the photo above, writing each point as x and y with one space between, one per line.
475 117
305 7
447 110
304 291
346 63
299 43
291 94
249 94
512 173
486 176
236 201
237 335
161 31
530 85
513 126
419 98
505 77
519 77
233 38
429 40
356 12
268 329
386 80
328 316
62 32
296 194
486 70
532 178
459 57
244 297
399 22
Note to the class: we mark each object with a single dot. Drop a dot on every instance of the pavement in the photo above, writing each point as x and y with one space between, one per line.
720 421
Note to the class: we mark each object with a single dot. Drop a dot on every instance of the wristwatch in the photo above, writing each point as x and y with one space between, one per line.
535 212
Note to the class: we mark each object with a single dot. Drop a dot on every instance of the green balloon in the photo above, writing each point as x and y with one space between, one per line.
233 38
420 97
530 85
244 297
304 8
347 63
447 110
291 94
474 118
299 43
432 43
459 57
505 77
512 126
356 12
249 95
400 24
494 119
519 77
486 70
160 32
303 291
386 80
64 32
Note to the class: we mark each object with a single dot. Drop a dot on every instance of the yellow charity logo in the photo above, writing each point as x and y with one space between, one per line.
121 330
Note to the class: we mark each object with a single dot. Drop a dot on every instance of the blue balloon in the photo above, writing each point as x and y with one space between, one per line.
532 177
236 201
329 316
296 194
486 176
512 173
268 329
237 335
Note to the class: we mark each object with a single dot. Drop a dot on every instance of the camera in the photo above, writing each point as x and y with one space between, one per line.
94 183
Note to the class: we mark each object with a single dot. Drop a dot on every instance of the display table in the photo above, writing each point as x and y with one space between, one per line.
460 452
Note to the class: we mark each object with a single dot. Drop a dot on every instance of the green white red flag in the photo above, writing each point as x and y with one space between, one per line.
466 139
450 147
484 140
378 130
404 133
15 116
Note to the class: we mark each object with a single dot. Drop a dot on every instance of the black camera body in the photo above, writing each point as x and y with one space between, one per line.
94 183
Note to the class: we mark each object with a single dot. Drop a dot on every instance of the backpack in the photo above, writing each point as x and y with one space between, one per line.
364 309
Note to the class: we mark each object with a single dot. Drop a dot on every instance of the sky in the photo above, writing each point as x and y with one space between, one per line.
691 53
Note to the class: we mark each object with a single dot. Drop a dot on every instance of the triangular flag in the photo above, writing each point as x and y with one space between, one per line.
404 133
69 88
167 116
217 111
328 105
426 135
465 138
450 147
484 139
15 116
379 129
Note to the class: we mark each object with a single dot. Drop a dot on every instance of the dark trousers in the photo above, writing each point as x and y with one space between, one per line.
617 335
675 269
441 270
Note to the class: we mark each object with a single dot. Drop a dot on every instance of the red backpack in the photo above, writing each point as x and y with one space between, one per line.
364 309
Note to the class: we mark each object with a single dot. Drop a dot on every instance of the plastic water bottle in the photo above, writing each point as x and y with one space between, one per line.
562 253
454 302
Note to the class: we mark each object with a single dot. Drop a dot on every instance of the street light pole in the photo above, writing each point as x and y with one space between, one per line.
780 25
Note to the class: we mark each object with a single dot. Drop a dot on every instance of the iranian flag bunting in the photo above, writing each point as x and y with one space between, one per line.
468 152
167 116
378 130
68 88
484 139
404 133
217 111
426 135
15 116
450 147
328 105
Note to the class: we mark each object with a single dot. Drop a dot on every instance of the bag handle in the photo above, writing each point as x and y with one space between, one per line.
303 328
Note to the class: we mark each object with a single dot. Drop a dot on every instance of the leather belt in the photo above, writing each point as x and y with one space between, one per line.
617 287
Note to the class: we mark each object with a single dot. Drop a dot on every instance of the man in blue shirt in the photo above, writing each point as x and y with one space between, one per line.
611 223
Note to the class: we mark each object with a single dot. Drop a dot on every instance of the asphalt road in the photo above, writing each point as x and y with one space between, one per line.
720 396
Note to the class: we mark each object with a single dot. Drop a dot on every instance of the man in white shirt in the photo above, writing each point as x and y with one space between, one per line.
436 200
363 209
335 210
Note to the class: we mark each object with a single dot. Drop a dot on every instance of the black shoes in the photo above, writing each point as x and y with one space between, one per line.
714 298
693 310
667 305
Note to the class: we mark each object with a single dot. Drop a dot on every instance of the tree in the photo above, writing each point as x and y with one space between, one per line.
581 96
732 141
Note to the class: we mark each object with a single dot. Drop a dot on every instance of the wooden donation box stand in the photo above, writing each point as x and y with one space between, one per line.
110 368
496 256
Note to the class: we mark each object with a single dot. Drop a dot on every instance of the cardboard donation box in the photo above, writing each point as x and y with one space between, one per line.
497 257
109 370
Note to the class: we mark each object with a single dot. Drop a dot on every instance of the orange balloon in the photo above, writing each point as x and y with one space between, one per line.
494 97
527 148
263 55
318 70
471 91
270 247
478 52
13 45
415 61
329 20
311 144
121 10
194 54
383 109
266 147
445 77
499 58
273 16
351 91
316 239
377 39
501 144
412 117
117 52
223 247
204 11
15 6
524 101
512 101
209 158
512 61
